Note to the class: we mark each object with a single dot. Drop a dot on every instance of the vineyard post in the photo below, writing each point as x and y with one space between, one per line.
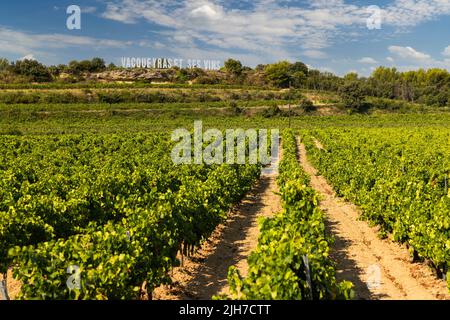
4 287
289 105
289 115
182 255
446 184
308 275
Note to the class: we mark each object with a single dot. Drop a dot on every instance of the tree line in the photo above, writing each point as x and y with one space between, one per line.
429 87
24 71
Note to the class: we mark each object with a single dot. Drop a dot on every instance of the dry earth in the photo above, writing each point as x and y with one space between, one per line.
204 275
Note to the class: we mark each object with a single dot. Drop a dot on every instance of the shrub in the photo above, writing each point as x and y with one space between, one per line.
235 109
272 111
306 105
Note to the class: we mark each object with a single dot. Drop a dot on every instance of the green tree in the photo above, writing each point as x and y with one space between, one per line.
384 82
260 67
351 76
4 64
94 65
279 74
55 70
352 95
74 67
233 67
298 79
97 65
299 67
111 66
32 69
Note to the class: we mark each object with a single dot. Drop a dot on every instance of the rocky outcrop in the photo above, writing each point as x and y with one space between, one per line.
133 75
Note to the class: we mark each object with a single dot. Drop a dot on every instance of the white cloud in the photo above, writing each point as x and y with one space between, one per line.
262 29
28 57
408 13
130 11
25 42
408 53
315 54
207 11
151 44
408 58
259 30
390 59
446 51
263 26
368 60
88 9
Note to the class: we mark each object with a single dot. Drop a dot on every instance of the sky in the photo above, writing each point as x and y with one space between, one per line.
338 36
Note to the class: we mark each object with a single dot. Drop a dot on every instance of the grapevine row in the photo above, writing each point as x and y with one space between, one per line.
56 187
401 181
291 261
116 261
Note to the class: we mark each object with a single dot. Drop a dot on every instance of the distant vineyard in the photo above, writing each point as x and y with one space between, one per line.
144 95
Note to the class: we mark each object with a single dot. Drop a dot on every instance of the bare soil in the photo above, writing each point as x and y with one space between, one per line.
13 286
360 254
205 274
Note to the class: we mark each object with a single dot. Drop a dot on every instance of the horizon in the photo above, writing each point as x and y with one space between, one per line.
335 36
186 65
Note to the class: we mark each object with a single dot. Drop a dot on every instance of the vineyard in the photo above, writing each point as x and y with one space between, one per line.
120 211
400 180
88 189
292 260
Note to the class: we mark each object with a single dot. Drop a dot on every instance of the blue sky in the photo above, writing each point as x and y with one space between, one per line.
330 35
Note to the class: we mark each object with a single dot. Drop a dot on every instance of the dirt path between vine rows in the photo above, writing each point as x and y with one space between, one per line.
204 275
13 286
361 255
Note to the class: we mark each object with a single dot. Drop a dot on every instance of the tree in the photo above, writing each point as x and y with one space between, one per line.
384 82
260 67
285 74
423 86
32 69
352 95
94 65
97 65
4 64
351 76
299 67
233 67
54 70
279 73
111 66
298 79
74 67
